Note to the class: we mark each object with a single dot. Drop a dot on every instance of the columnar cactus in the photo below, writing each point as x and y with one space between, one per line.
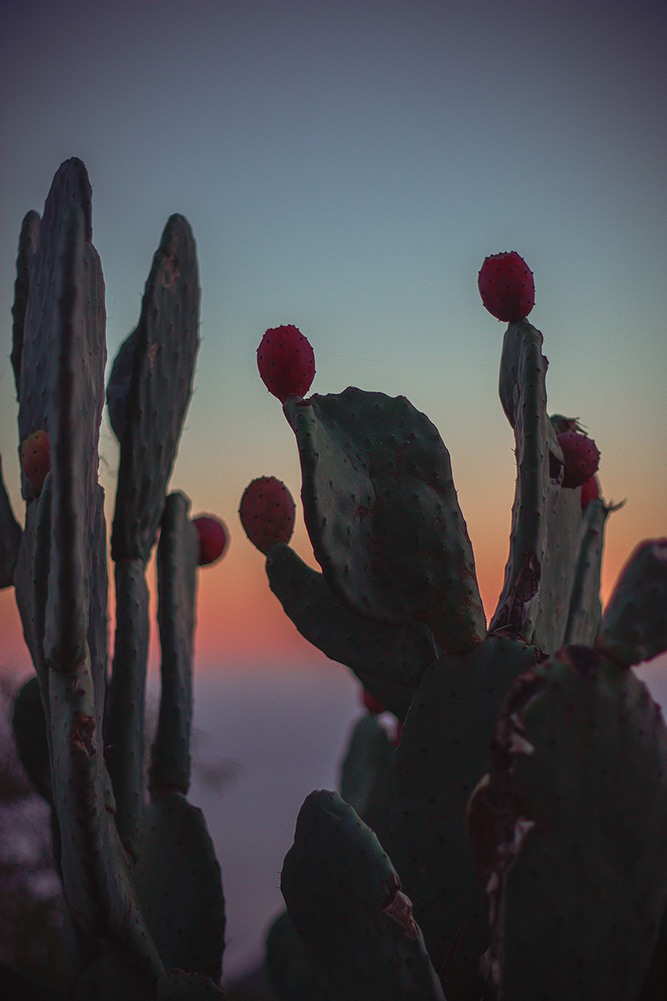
146 927
529 795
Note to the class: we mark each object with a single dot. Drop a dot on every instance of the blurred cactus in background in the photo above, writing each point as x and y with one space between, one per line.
140 923
526 807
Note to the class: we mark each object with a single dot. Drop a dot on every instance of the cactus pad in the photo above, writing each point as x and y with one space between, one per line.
394 656
345 900
382 513
162 353
579 765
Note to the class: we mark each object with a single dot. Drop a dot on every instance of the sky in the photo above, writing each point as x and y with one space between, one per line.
347 166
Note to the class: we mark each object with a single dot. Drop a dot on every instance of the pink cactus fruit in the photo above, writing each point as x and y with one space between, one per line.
286 362
267 512
36 459
213 538
506 286
581 457
373 705
590 490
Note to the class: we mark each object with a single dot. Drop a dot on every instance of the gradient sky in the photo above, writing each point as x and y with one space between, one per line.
346 167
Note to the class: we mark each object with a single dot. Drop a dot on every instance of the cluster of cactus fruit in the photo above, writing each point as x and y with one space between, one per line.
505 842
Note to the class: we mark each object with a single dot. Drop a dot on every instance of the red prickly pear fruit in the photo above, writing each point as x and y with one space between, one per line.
590 490
581 458
213 538
36 459
267 512
373 705
286 362
506 286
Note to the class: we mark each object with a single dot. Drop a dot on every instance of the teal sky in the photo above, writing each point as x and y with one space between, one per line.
346 166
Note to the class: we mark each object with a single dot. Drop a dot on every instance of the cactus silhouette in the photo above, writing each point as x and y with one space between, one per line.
528 802
508 846
146 926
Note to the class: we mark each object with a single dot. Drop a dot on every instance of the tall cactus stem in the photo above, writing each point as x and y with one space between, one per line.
523 394
126 701
99 890
177 563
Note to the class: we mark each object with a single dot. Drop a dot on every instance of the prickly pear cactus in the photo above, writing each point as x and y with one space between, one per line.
145 925
498 806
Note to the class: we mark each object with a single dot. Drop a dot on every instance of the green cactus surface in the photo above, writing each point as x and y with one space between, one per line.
345 899
140 878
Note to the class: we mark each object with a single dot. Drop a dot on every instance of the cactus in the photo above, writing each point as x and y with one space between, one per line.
509 847
523 876
146 925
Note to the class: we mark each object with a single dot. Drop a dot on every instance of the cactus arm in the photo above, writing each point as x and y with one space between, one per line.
124 731
173 829
523 396
10 536
28 242
179 885
345 900
580 752
177 560
41 324
98 587
96 880
634 624
382 513
163 357
564 523
366 775
585 608
442 754
391 658
291 976
75 413
64 340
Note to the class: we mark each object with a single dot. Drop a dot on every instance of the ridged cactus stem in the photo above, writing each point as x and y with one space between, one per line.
125 721
177 561
523 394
585 607
73 418
99 891
28 242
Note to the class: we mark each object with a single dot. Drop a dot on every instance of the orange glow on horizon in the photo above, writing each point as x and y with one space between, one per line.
241 624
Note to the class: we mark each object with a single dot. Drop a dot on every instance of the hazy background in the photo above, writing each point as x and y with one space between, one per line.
346 166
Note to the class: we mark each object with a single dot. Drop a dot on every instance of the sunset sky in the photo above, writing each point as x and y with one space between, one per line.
346 167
